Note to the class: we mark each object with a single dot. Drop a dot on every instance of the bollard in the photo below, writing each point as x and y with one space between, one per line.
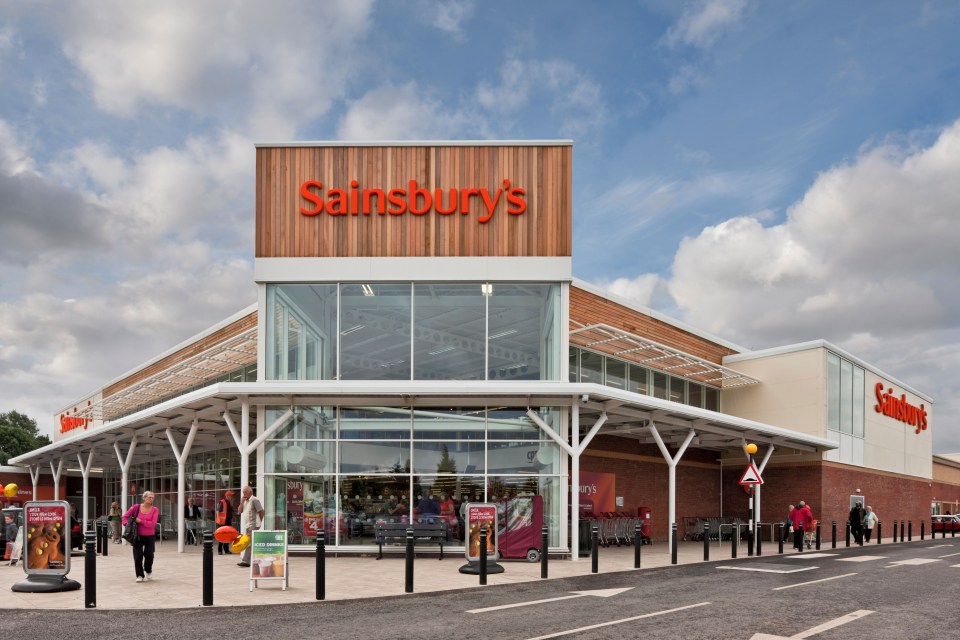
408 571
780 538
673 543
759 537
595 550
734 539
749 542
207 569
706 541
921 530
833 535
544 540
90 571
879 534
909 531
818 535
800 530
106 541
848 534
483 555
637 544
98 534
321 587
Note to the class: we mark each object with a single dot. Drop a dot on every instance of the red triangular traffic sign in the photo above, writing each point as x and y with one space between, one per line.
751 475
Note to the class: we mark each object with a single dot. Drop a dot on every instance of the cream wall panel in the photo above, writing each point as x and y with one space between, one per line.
790 393
893 445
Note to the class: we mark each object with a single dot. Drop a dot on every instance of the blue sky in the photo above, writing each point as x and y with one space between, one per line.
769 172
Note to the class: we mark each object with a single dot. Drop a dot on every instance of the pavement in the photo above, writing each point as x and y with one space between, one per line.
177 580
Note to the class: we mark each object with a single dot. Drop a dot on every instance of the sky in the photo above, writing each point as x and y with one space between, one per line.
768 172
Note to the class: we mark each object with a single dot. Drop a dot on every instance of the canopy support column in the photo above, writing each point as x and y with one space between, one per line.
243 437
35 478
124 462
181 457
56 471
85 470
672 466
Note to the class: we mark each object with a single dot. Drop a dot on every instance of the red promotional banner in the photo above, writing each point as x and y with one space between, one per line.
481 515
598 492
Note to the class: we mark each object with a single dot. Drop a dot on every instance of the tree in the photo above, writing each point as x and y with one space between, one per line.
18 435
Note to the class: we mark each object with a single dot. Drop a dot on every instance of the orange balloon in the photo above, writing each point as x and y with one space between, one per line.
241 543
226 534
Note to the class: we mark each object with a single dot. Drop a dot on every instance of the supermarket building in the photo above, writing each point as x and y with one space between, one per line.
418 331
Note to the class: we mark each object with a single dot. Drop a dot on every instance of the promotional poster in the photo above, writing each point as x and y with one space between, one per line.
268 559
481 515
46 525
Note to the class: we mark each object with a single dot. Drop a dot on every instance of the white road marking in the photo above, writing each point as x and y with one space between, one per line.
810 556
601 593
613 622
913 562
803 584
826 626
939 546
949 555
770 570
861 558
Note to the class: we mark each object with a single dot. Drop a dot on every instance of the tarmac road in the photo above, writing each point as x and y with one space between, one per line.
875 592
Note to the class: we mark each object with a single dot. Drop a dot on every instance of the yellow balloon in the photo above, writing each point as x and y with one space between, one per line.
241 543
10 490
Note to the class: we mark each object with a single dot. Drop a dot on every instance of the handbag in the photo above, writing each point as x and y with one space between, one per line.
130 533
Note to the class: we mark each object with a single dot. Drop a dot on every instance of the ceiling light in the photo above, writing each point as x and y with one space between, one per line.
352 329
508 332
367 290
486 289
437 352
392 363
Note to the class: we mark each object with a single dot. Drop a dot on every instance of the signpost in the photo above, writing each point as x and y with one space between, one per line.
268 557
749 479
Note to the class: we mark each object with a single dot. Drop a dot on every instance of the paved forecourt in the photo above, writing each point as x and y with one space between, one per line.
177 580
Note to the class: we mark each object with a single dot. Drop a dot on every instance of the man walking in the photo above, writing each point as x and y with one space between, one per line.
856 522
193 518
251 515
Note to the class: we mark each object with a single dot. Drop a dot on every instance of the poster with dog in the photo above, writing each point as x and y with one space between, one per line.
46 524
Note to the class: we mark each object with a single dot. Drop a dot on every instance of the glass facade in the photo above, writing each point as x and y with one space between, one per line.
845 409
363 464
413 331
590 366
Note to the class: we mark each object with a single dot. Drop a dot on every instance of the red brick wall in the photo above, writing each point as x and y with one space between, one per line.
891 496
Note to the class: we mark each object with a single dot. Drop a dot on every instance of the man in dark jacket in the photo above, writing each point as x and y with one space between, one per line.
856 522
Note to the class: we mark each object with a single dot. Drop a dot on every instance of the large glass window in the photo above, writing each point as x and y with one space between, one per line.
845 408
303 325
375 331
523 331
449 336
616 374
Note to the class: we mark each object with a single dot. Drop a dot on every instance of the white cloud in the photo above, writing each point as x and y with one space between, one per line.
866 259
639 290
449 15
278 64
705 21
404 112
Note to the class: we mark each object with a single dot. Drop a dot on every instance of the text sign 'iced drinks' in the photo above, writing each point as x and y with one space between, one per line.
268 558
481 515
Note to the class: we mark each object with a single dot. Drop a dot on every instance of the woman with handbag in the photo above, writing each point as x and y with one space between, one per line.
146 516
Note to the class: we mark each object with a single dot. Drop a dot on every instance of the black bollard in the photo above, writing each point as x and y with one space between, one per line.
595 550
637 544
483 554
106 541
749 542
98 534
759 536
833 535
780 538
408 572
895 532
848 534
207 569
734 539
922 523
800 530
879 533
909 531
544 539
90 571
321 579
673 543
818 535
706 541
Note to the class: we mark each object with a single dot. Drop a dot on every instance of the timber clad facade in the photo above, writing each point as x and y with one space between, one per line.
544 172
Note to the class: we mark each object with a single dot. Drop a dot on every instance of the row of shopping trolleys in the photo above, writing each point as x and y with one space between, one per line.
618 528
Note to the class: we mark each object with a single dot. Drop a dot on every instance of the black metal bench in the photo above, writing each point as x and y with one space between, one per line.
422 532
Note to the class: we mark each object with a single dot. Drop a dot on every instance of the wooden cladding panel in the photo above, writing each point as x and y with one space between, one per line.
587 309
234 329
544 229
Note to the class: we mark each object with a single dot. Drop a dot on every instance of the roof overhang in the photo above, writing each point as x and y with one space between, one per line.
628 415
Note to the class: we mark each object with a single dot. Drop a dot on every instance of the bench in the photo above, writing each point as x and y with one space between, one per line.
422 532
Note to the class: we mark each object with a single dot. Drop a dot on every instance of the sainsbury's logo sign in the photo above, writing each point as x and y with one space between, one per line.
899 409
415 200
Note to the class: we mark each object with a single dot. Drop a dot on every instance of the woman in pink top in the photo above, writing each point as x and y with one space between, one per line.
146 516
